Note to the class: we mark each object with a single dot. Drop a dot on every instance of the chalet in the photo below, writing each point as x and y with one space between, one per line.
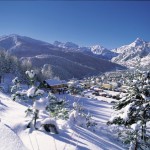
85 85
56 86
107 86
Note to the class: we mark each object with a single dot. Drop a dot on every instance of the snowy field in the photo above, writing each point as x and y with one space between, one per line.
15 135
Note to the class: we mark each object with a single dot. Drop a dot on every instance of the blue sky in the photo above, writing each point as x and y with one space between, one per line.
86 23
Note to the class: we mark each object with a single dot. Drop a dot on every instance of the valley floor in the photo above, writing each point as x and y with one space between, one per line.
13 126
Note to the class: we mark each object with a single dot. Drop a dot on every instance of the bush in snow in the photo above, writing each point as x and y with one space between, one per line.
58 108
79 117
75 88
133 111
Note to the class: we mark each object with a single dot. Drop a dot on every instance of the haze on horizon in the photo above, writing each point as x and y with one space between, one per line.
111 24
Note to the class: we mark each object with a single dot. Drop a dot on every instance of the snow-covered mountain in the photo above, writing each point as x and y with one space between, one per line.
138 52
65 63
103 52
13 41
96 50
68 45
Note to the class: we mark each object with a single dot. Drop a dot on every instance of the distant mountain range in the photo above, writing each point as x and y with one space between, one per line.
96 50
67 60
135 54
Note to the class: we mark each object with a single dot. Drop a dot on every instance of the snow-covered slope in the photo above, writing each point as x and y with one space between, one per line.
9 140
129 55
13 41
13 117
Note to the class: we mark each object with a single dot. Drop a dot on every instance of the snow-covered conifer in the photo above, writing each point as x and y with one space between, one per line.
58 108
133 111
31 75
15 89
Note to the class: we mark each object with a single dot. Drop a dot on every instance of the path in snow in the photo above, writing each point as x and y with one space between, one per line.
101 111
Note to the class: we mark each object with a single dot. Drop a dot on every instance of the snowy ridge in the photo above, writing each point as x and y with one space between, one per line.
13 36
96 49
100 50
13 41
68 45
129 55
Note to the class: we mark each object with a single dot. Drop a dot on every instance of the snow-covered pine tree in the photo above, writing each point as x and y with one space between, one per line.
15 89
16 85
133 112
58 108
40 103
32 76
34 94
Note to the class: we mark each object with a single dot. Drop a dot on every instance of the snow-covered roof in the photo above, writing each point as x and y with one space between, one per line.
55 82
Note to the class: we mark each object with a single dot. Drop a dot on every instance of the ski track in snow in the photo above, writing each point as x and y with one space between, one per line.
13 115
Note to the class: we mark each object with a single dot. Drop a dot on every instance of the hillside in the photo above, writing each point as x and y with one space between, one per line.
68 138
65 64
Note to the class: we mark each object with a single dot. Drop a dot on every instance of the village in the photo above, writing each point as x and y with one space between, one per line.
63 107
98 85
108 85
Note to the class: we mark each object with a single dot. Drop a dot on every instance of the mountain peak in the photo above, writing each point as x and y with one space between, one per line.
129 54
57 43
13 35
98 47
137 42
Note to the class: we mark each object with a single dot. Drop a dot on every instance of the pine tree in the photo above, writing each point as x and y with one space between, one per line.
34 94
58 108
15 89
133 111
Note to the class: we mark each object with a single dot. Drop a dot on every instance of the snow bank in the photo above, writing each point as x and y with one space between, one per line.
9 140
49 121
135 126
